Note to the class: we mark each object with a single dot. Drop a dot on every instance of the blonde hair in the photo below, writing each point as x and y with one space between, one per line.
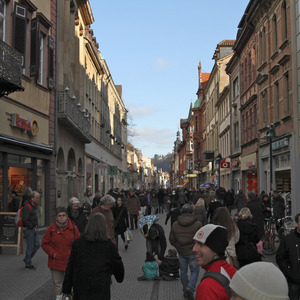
245 213
200 202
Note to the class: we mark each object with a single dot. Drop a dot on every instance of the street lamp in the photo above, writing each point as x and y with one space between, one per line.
219 157
271 134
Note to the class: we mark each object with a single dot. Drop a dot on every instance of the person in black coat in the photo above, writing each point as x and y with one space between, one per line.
257 212
287 258
14 205
266 205
76 214
212 206
92 262
169 268
120 214
246 249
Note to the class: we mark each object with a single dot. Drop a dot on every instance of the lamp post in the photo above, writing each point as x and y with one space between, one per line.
271 134
219 157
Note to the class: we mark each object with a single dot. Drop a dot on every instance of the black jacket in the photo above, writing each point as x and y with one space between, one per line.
246 247
265 205
80 221
213 205
160 238
90 267
279 207
258 216
121 218
169 267
288 256
29 216
174 213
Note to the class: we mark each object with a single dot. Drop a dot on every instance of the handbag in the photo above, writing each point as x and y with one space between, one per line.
128 235
233 260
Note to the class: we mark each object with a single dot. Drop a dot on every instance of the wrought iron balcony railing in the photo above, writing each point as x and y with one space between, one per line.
10 69
70 114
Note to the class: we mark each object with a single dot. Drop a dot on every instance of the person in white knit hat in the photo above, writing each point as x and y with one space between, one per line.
259 281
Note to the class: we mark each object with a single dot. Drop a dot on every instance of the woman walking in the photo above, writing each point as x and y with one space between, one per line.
57 243
93 260
121 221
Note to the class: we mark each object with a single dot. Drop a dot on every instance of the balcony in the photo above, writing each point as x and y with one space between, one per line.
74 119
10 70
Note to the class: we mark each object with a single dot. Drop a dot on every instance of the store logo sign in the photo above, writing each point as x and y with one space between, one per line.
30 126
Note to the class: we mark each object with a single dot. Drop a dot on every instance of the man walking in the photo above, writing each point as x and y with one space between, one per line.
210 244
133 207
288 259
181 237
30 222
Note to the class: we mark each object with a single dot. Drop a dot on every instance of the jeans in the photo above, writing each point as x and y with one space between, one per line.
185 262
33 244
294 290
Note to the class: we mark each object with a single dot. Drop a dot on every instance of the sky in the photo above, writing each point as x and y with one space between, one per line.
153 49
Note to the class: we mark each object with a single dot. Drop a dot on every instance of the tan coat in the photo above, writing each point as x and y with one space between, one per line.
110 223
133 205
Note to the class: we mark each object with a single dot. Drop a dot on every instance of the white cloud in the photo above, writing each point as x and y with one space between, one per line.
138 111
160 63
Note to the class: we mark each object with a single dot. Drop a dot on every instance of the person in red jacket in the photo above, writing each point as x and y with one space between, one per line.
57 243
210 244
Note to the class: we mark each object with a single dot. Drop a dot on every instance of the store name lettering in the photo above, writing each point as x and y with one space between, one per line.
250 163
30 126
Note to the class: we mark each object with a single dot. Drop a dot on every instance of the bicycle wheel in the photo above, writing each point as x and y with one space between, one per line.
270 244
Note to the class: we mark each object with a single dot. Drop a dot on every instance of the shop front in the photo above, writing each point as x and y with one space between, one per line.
249 173
236 174
24 164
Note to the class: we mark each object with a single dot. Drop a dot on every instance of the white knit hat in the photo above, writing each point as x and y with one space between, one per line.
260 281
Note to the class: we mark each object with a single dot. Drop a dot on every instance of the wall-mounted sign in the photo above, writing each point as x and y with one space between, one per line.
250 163
235 163
225 165
30 126
280 144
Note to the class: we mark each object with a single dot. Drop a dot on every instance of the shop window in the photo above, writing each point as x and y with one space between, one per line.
19 160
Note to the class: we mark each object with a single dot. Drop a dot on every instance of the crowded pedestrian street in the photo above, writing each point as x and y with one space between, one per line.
17 283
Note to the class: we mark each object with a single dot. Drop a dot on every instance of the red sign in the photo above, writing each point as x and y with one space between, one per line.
225 165
30 126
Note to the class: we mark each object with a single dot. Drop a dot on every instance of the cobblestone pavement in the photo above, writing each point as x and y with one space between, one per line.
17 283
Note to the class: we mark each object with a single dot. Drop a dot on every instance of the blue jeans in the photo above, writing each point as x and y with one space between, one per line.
185 262
33 244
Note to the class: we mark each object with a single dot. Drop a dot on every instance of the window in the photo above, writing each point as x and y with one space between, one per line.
286 94
235 87
284 21
264 106
41 60
264 44
2 20
236 133
276 101
19 33
274 33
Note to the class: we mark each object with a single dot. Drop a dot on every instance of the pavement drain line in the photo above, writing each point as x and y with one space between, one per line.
155 290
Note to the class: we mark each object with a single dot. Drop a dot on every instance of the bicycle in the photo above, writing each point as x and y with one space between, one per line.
286 226
271 239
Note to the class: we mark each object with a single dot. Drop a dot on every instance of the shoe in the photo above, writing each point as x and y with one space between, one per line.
126 247
189 294
141 278
31 267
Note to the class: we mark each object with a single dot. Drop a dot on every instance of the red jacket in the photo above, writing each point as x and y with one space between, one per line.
210 289
59 242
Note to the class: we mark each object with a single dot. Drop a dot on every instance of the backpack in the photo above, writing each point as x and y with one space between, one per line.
223 280
18 219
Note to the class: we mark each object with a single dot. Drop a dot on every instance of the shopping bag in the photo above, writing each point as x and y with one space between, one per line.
129 236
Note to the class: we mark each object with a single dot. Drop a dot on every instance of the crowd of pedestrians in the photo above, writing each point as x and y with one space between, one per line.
82 242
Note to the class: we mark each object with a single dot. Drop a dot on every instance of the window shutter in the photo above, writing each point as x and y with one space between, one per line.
33 48
50 63
19 31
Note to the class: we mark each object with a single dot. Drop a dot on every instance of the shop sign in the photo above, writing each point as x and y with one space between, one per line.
250 164
186 180
30 126
280 144
225 165
191 175
235 163
101 166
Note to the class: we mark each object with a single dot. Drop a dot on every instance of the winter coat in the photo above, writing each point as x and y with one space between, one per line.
153 200
246 247
133 205
143 199
182 233
89 269
30 216
174 213
240 201
258 216
265 205
161 239
80 221
200 214
288 256
121 218
213 205
57 243
150 269
279 207
209 288
169 267
110 222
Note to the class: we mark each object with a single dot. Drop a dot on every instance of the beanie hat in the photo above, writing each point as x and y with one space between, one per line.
214 237
74 200
260 281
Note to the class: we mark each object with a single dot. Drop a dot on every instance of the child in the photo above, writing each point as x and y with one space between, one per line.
150 268
169 268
